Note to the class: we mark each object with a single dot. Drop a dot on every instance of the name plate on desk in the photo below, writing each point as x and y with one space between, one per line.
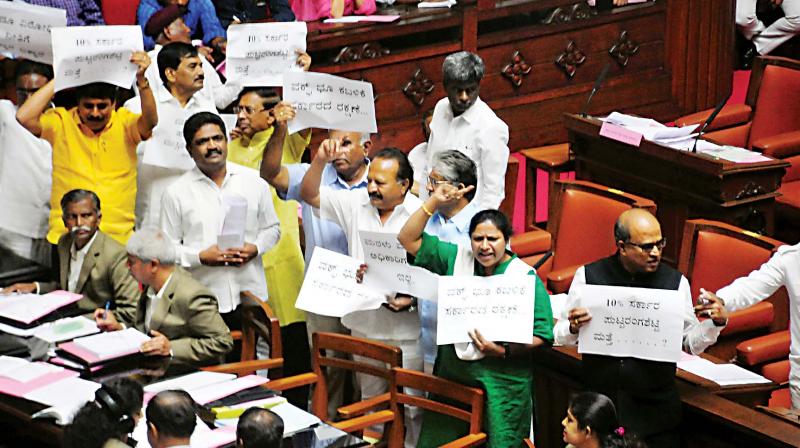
638 322
620 134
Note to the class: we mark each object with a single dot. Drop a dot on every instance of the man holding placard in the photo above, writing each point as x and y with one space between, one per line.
638 375
384 206
94 146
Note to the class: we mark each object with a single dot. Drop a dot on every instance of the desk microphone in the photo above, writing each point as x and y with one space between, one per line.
709 120
596 87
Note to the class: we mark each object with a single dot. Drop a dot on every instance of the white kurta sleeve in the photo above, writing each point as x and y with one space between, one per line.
172 225
760 284
561 332
269 228
494 162
697 336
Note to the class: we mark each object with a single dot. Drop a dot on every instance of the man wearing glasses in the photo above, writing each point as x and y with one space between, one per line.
644 391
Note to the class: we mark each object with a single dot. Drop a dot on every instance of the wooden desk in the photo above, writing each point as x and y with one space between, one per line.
682 184
668 57
711 417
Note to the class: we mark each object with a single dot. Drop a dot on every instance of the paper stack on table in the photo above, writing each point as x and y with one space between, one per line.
722 374
64 397
26 308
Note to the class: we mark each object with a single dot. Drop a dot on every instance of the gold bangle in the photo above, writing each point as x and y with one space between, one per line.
427 212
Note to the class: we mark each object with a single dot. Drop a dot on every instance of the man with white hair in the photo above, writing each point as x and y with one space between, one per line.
462 121
178 312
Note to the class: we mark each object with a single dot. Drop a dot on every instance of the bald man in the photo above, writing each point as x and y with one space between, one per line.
643 391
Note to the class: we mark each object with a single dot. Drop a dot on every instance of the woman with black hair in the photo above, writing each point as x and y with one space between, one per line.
107 421
591 422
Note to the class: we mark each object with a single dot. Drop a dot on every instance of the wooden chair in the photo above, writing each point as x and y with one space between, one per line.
470 397
581 228
356 415
512 173
713 255
552 159
258 321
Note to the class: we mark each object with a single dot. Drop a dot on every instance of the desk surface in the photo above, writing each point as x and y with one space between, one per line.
15 269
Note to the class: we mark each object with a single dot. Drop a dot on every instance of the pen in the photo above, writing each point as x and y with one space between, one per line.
105 312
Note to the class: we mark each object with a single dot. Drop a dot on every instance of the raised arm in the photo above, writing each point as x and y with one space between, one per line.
29 113
149 118
309 188
410 235
271 169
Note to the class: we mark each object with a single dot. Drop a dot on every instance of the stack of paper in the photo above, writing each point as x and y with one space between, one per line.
106 346
206 387
294 418
722 374
26 308
439 4
66 329
649 128
19 377
64 397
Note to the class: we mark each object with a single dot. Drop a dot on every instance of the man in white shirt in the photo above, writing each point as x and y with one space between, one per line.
167 26
763 39
643 391
221 216
384 206
163 158
783 269
463 122
25 168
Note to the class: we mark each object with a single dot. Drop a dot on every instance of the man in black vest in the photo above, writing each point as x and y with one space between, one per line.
643 391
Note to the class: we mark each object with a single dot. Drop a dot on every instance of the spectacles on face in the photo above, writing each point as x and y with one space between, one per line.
247 110
436 183
648 247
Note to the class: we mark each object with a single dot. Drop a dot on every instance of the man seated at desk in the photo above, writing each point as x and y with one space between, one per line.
90 262
177 311
643 391
171 419
259 428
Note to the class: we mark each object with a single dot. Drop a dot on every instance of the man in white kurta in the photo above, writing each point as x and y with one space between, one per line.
198 206
783 269
462 121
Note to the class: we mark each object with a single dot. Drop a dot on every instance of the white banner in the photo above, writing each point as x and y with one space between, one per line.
26 30
330 287
260 53
638 322
500 307
167 147
329 102
86 54
388 268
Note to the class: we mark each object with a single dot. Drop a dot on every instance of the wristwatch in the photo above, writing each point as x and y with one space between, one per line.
507 350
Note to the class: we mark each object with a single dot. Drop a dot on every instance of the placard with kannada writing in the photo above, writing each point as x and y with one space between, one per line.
388 268
86 54
638 322
258 54
500 307
26 30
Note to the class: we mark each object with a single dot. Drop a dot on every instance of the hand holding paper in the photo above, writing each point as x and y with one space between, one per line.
712 307
578 317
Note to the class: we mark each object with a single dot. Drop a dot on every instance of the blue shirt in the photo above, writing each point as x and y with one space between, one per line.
200 16
319 232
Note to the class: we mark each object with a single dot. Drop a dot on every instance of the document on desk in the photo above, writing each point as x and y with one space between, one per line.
722 374
649 129
106 346
26 308
207 394
389 269
23 371
66 329
64 397
189 382
294 418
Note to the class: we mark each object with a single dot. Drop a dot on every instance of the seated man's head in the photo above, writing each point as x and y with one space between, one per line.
254 110
167 25
259 428
461 75
80 211
31 76
206 141
180 69
96 103
389 179
454 168
639 241
150 253
353 149
171 418
113 414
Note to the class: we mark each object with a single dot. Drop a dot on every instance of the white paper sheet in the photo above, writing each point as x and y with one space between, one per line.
167 147
64 397
191 381
26 30
500 307
66 329
25 371
329 102
638 322
213 392
722 374
105 345
86 54
233 226
389 269
330 287
294 418
26 308
259 54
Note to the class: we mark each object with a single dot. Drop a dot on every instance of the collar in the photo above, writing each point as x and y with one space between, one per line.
461 219
259 139
197 175
163 95
160 292
637 277
470 115
331 177
85 130
73 252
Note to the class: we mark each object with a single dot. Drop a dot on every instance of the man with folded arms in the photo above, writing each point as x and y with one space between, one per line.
178 312
90 262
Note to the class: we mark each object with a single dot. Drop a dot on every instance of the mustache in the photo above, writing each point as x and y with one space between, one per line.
95 119
375 195
200 77
211 152
75 229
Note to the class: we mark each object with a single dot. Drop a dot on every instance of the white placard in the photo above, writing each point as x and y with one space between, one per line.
388 268
86 54
329 102
330 287
638 322
260 53
26 30
167 147
500 307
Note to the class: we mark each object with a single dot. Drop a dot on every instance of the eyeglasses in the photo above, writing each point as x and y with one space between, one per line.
648 247
246 109
436 183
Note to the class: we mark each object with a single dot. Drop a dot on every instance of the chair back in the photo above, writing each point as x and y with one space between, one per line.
435 388
774 94
324 344
259 321
582 224
512 174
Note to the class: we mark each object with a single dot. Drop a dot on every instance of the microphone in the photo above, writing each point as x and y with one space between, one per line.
596 87
709 120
